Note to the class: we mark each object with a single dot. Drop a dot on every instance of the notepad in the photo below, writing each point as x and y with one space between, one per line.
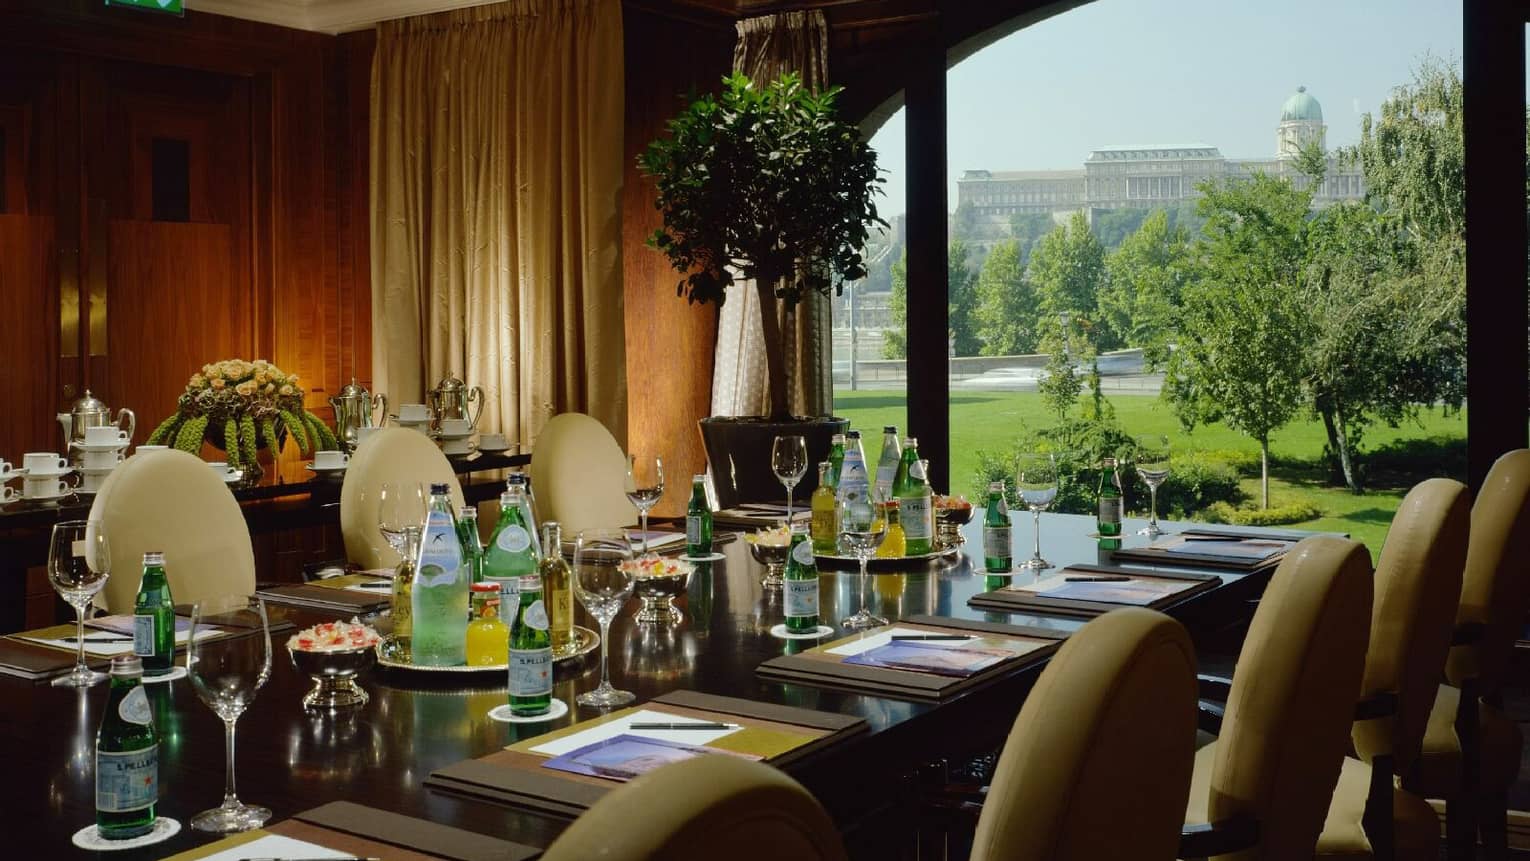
927 657
272 846
623 724
112 648
625 756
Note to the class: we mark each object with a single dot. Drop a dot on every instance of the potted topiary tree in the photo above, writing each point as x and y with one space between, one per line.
767 184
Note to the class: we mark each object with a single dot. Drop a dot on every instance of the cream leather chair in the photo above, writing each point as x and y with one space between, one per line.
398 455
703 809
578 475
1261 790
1097 764
1418 579
172 502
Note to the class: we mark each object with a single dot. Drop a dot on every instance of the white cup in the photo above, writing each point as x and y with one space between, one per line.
44 462
413 413
105 435
456 446
492 441
8 494
219 467
100 459
45 488
91 483
455 427
363 433
7 469
330 459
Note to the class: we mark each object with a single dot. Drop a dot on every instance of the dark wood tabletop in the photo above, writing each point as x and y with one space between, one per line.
380 755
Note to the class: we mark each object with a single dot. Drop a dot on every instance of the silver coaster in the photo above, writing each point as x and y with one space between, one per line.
780 633
711 557
176 672
90 838
501 713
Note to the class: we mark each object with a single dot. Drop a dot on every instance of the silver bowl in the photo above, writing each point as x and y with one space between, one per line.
773 557
334 676
949 523
659 594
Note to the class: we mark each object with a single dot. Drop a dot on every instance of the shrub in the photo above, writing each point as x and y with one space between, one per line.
1293 512
1197 480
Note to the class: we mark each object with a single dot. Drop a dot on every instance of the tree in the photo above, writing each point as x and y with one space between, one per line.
1242 328
1068 269
1006 304
1147 273
1027 228
1112 226
1060 385
895 337
961 299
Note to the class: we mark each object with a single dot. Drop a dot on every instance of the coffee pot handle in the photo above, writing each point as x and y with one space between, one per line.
132 421
381 400
475 394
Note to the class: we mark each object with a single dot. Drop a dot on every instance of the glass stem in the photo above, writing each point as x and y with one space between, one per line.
79 638
865 605
643 528
789 505
1036 533
605 667
230 798
1152 506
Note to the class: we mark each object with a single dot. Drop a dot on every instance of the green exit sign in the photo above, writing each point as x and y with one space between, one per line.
173 7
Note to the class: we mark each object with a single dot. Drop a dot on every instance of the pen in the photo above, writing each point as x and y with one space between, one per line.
899 637
1106 578
89 639
1207 536
706 725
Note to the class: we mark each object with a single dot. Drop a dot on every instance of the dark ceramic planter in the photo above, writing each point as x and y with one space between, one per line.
738 450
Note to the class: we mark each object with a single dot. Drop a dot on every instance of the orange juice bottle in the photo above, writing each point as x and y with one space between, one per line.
488 638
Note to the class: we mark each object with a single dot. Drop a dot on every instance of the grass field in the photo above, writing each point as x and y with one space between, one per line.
983 421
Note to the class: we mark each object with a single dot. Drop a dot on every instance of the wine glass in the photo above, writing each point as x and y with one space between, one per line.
862 527
226 673
1036 480
603 583
400 505
788 459
645 484
79 561
1153 468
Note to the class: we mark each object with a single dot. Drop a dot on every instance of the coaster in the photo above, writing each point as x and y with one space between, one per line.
711 557
176 672
780 633
502 713
90 838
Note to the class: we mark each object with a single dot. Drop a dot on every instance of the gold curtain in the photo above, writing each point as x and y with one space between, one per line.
767 47
496 178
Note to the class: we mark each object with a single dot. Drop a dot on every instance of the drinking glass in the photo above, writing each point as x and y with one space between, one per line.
79 561
788 459
645 484
1036 480
226 673
603 584
862 529
400 505
1153 468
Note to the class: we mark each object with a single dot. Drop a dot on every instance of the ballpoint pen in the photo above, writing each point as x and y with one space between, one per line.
900 637
1101 578
668 726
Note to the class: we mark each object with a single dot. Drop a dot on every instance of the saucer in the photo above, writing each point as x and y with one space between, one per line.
495 449
15 473
54 474
50 497
464 449
233 476
111 446
325 470
99 470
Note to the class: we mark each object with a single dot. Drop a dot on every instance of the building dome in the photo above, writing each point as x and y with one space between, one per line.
1301 107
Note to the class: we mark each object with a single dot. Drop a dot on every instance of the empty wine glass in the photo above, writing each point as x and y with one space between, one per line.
79 561
1036 480
400 505
862 529
645 485
603 583
1153 468
788 460
226 673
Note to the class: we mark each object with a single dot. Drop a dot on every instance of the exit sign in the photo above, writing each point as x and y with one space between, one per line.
173 7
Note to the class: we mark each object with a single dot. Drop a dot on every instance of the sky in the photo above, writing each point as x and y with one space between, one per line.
1116 72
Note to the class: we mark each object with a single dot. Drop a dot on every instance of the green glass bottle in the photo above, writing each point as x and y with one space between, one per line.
127 756
510 554
998 553
698 520
154 618
1110 498
994 582
530 650
836 459
916 507
472 546
799 587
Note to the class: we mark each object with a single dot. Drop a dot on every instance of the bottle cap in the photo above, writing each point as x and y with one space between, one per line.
127 666
701 478
837 439
855 434
892 429
154 557
437 488
910 442
1108 461
470 511
516 478
995 487
487 586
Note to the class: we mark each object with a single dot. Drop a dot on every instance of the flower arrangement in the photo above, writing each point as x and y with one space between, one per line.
247 404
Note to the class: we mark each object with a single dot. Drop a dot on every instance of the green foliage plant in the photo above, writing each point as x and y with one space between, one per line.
228 403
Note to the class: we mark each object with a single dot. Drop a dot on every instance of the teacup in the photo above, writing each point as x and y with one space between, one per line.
105 435
45 488
7 470
459 445
363 433
43 462
8 493
455 427
330 460
219 467
100 459
413 413
492 441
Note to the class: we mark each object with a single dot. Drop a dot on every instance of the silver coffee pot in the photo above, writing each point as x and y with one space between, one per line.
90 412
354 407
451 398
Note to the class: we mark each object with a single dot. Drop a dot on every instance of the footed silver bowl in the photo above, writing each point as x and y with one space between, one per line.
334 676
773 557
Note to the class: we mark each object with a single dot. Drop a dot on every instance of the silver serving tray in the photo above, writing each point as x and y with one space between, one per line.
390 656
890 564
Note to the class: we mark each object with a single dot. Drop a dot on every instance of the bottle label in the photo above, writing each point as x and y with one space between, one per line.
885 475
134 707
1110 509
536 615
916 516
127 781
800 597
143 635
441 554
803 554
513 539
693 529
996 541
530 672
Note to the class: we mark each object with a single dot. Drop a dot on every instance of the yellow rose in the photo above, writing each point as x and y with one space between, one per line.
197 381
260 377
217 382
245 389
270 388
207 370
286 390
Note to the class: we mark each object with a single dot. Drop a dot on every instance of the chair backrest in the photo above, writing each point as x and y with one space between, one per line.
398 455
703 809
1293 697
578 475
1098 762
1495 591
1417 585
172 502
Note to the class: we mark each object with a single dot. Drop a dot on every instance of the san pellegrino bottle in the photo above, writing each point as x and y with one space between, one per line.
472 546
510 555
402 605
1110 498
824 526
915 502
127 756
836 459
698 520
488 638
530 651
557 589
998 553
800 587
440 593
528 508
154 618
887 463
854 482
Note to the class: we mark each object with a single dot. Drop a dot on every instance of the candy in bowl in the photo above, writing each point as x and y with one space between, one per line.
769 547
334 655
951 514
658 581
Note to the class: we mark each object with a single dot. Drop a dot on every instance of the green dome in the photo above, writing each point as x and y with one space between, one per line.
1301 107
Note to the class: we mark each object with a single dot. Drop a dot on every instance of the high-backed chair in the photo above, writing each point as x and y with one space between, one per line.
1097 765
703 809
1417 582
1471 750
578 475
1261 790
172 502
398 455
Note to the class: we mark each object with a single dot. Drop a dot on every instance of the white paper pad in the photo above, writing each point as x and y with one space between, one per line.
106 650
656 539
276 846
620 726
882 638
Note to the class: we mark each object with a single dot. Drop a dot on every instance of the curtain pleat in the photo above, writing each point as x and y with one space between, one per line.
496 175
767 47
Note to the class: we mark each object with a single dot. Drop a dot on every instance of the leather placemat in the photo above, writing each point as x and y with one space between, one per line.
369 831
1154 556
324 598
1019 600
24 659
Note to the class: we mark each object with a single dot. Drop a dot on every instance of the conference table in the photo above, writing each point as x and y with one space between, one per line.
380 754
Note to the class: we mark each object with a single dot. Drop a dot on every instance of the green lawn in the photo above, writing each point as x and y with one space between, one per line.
984 421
